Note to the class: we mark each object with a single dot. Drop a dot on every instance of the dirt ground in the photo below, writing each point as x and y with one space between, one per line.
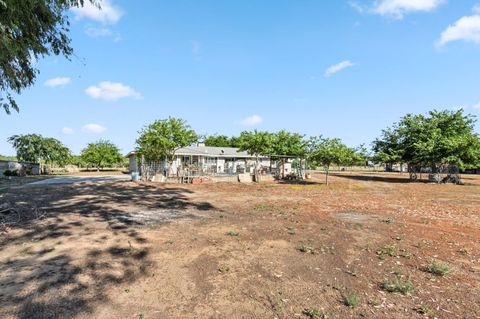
274 250
14 181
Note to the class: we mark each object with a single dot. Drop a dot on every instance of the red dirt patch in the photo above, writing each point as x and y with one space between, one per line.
122 250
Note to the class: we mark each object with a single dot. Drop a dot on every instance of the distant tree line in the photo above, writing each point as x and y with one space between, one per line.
437 140
160 140
7 158
36 148
434 141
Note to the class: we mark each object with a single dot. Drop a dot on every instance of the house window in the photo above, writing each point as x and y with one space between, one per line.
210 161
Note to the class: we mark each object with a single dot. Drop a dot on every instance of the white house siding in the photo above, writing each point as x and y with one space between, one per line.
209 160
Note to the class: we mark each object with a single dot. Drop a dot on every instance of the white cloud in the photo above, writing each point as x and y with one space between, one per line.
252 120
466 28
338 67
476 106
107 13
94 32
397 8
111 91
67 130
93 128
59 81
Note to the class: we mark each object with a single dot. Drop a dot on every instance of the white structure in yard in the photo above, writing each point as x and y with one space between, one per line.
207 160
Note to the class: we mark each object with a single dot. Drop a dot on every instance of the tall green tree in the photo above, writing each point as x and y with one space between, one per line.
29 30
328 152
287 144
434 140
101 154
36 148
256 143
160 140
387 148
363 155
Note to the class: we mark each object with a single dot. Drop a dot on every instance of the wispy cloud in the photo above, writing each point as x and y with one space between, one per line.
110 91
397 8
93 128
466 29
338 67
475 107
252 120
107 13
67 131
59 81
95 32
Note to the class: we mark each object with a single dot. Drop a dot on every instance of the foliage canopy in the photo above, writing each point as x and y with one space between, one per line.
221 141
36 148
256 143
29 30
101 154
331 151
432 140
159 140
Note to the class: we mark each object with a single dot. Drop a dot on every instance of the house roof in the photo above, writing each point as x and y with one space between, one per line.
212 151
209 151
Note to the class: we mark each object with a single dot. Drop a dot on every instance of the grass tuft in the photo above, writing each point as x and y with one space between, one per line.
233 233
438 268
312 313
387 250
424 310
398 285
351 300
306 249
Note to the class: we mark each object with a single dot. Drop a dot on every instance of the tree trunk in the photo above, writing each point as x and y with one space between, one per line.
326 174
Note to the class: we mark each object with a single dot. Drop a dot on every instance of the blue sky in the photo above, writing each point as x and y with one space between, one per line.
338 68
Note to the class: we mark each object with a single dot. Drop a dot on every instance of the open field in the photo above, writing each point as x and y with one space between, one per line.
370 245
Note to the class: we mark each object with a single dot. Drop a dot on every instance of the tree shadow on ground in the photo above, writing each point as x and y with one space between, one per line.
400 179
87 241
297 182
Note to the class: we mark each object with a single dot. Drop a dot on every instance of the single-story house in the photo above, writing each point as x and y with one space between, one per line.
208 160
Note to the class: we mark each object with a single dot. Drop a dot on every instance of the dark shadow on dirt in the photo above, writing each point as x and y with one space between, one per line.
297 182
401 179
45 280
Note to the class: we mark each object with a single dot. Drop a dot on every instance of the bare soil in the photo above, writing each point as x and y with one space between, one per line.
273 250
14 181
